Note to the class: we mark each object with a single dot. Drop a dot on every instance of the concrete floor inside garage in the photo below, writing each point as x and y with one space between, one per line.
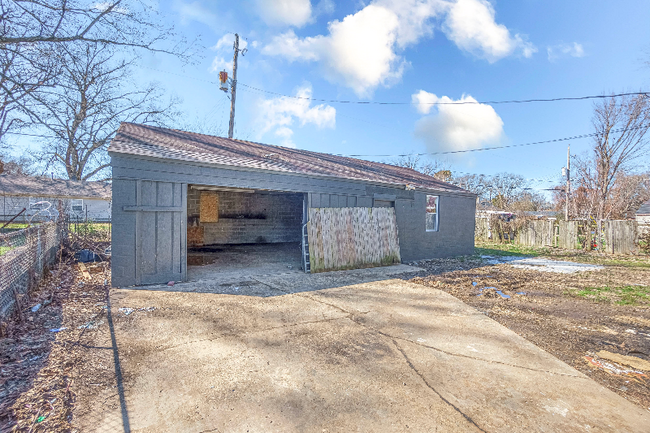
223 261
234 232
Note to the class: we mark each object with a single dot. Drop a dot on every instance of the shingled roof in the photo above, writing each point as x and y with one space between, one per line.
172 144
644 209
31 186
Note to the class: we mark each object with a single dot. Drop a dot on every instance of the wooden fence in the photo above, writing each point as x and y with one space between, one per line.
536 234
350 238
618 237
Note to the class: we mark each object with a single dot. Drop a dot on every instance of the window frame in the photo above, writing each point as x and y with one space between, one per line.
427 211
80 202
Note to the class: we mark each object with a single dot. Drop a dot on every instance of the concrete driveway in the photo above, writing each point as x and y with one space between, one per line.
296 353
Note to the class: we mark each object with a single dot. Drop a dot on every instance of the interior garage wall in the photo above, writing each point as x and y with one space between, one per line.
246 218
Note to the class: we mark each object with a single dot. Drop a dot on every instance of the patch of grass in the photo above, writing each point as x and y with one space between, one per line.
508 249
600 259
15 226
97 231
4 250
623 295
580 256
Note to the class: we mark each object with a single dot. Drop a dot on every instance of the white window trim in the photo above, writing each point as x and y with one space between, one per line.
76 202
437 225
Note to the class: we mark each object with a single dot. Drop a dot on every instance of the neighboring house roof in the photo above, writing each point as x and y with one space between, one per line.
30 186
644 209
172 144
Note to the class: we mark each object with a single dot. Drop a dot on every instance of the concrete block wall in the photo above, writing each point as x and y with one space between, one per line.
248 218
455 235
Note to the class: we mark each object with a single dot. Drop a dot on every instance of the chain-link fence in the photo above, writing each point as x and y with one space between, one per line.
24 255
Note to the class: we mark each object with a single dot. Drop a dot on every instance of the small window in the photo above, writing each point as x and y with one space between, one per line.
77 205
432 213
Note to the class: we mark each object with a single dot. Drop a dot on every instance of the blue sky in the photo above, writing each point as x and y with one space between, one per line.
410 50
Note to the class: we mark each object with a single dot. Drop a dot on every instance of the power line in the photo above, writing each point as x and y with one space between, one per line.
511 101
339 101
483 149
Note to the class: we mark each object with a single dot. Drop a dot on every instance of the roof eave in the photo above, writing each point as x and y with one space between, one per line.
290 173
41 195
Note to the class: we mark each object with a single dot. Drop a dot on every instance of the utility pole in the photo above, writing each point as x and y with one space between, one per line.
233 88
568 183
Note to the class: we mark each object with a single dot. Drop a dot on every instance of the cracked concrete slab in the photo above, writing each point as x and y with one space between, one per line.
375 356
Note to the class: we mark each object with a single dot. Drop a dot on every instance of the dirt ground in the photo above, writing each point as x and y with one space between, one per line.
556 313
42 357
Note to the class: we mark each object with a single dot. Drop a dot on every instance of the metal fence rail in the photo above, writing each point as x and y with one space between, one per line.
24 254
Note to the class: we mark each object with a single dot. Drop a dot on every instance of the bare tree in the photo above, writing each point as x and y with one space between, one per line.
32 33
437 169
621 125
505 189
530 201
626 194
22 165
94 94
23 69
131 23
476 183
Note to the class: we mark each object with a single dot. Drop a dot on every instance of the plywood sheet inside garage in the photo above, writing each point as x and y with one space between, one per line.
209 212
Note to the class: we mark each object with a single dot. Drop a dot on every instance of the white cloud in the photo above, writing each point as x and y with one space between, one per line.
279 114
221 64
291 47
362 51
471 25
227 41
195 11
224 48
324 7
454 126
562 50
285 12
414 18
358 50
285 135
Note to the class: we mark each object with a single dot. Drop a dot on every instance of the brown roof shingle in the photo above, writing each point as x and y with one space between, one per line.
151 141
31 186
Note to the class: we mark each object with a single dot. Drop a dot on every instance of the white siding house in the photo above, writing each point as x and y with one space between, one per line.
643 216
45 198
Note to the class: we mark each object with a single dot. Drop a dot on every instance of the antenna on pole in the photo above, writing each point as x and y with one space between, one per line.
233 85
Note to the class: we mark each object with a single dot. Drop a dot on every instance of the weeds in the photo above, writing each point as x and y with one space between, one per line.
623 295
510 249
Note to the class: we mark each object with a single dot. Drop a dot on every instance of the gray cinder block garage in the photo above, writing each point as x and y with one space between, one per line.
175 191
